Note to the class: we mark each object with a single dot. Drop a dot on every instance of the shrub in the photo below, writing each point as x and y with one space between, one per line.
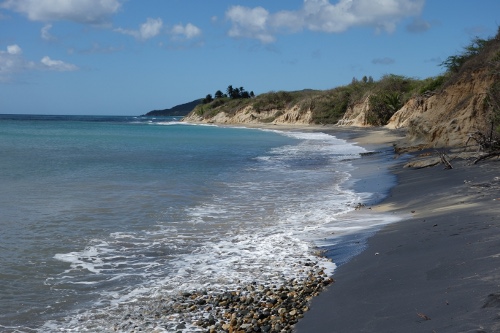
273 100
455 62
382 107
388 96
330 106
431 84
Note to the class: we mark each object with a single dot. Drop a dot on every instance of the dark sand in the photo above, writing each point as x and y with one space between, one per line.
438 270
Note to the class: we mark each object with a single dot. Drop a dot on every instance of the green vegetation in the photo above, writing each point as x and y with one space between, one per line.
385 96
232 93
328 107
389 95
455 62
431 84
274 100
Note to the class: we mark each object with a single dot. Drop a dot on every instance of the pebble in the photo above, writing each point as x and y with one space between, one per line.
252 308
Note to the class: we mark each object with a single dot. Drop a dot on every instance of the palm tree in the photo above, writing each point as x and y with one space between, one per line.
230 91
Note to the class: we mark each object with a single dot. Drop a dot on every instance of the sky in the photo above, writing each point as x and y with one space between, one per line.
127 57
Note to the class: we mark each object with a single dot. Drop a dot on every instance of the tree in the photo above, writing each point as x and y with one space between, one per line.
230 91
219 94
454 63
236 93
208 99
233 93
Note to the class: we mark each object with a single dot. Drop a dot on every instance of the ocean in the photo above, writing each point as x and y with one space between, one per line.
100 213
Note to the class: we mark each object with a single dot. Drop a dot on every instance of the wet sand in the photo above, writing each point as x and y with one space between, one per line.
437 270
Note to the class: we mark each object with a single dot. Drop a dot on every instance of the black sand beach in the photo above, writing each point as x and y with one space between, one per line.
437 270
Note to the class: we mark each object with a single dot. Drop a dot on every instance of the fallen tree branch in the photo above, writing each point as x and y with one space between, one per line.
483 141
445 160
486 156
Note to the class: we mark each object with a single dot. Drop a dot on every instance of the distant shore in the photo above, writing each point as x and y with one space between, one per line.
437 270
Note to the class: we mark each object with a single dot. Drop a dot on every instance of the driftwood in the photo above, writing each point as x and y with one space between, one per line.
483 141
423 316
445 160
486 156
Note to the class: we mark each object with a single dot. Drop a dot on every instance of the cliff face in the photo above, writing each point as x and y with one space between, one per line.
248 115
447 118
356 114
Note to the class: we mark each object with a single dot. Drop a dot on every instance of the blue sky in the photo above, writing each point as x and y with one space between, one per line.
127 57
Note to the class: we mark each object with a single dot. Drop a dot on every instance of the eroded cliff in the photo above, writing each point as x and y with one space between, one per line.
449 118
467 102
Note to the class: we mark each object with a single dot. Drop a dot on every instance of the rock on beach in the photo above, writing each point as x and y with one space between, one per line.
252 308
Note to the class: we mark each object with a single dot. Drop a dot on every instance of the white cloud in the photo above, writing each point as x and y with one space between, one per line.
57 65
12 62
81 11
151 28
188 31
322 16
250 22
147 30
14 49
45 32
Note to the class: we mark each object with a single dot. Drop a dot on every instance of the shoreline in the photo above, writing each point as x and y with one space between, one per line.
433 271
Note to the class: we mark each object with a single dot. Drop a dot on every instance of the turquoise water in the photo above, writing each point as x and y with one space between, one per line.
97 212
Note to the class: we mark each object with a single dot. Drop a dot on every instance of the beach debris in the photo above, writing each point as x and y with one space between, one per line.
423 316
486 156
445 160
484 142
420 163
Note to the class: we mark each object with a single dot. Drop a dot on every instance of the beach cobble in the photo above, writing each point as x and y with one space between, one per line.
253 308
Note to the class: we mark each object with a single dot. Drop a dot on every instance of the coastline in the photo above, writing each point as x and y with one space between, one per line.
437 270
433 271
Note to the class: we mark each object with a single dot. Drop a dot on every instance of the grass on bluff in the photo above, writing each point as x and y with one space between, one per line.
386 96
